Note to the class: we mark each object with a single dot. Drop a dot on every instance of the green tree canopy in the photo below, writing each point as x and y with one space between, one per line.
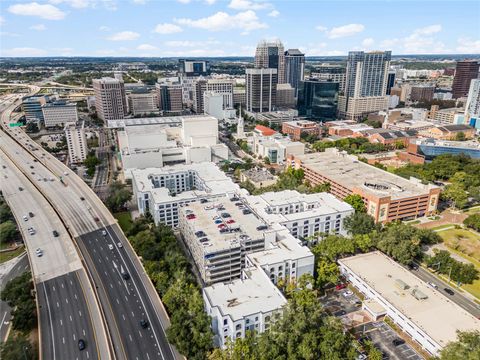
8 231
360 223
467 347
356 202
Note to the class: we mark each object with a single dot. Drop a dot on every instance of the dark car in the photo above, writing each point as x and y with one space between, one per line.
125 275
246 211
262 227
398 342
225 215
234 198
82 198
144 323
82 344
20 188
55 233
31 214
339 313
449 291
413 266
203 201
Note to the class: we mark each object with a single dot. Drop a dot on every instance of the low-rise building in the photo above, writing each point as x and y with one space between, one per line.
295 129
431 148
304 215
276 117
387 197
142 103
258 177
446 116
392 138
59 113
347 128
76 142
162 191
276 148
425 314
250 303
448 132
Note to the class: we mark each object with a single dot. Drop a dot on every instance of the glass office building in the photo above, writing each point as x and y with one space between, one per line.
318 99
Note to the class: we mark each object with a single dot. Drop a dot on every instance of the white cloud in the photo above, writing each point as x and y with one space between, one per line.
140 2
468 46
8 34
321 28
38 27
246 21
367 42
78 4
45 11
167 29
248 5
104 28
24 51
2 20
124 36
274 13
146 47
428 30
345 30
210 2
187 43
184 1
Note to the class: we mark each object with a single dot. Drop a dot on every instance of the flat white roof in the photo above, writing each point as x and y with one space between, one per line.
352 173
241 298
167 120
437 315
216 182
324 204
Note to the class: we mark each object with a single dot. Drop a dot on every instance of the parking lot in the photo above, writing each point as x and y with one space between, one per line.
382 336
344 299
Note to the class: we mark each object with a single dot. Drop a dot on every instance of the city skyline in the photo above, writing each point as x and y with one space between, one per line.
233 28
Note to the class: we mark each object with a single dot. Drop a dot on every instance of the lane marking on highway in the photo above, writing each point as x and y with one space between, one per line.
118 302
126 298
61 322
130 337
74 337
58 305
88 356
76 298
53 287
50 318
71 283
123 316
140 333
84 334
111 285
66 300
148 356
63 286
94 250
71 318
63 340
80 313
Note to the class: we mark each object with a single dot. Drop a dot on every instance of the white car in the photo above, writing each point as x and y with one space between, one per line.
435 286
110 246
120 245
25 218
31 231
347 293
39 252
104 233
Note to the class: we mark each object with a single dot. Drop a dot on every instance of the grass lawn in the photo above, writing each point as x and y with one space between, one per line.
124 220
463 241
473 210
5 256
442 227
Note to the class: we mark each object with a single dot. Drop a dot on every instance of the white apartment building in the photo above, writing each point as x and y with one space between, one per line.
76 142
162 191
250 303
146 143
472 106
142 104
426 315
304 215
213 104
59 113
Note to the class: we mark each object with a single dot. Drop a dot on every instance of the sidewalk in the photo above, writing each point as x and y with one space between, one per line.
8 265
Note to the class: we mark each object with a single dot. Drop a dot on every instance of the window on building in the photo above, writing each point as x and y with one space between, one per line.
238 327
225 321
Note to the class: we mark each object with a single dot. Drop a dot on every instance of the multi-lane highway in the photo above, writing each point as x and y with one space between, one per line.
85 216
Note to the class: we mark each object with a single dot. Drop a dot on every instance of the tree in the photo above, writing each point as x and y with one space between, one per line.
32 127
359 223
356 202
8 231
456 194
17 347
266 160
473 222
467 347
118 196
460 136
327 272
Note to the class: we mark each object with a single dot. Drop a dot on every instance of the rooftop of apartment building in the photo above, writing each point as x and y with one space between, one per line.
302 123
446 143
352 173
215 181
305 205
243 297
429 309
449 128
209 219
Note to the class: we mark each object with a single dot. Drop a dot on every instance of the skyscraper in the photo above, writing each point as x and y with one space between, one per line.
110 100
271 55
390 81
318 99
169 97
261 87
190 68
466 71
294 68
365 84
329 72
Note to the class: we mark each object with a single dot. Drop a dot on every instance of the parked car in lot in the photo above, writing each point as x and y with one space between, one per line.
339 313
449 291
398 342
347 293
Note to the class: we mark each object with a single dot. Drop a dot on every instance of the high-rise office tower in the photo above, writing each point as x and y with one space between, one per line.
190 68
261 88
328 72
110 100
294 68
464 73
472 107
365 84
271 55
169 97
318 99
390 81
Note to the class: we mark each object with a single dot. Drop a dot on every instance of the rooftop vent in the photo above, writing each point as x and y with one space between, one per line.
401 284
417 294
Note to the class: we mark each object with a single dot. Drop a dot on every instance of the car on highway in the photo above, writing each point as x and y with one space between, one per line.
20 188
120 245
110 246
82 198
25 218
125 275
104 233
31 231
31 214
431 284
81 344
449 291
39 252
55 233
398 342
144 323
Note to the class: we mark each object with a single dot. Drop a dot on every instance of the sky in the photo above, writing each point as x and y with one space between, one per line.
182 28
